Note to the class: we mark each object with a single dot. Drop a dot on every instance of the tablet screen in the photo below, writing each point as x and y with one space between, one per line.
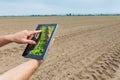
42 40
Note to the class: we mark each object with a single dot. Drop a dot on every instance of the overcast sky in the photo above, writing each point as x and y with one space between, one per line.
42 7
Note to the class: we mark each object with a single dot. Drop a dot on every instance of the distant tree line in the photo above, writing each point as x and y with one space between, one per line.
70 14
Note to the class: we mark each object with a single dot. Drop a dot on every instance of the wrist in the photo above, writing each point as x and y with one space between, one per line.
9 38
36 62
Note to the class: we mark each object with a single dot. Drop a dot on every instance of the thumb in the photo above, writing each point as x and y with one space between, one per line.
30 42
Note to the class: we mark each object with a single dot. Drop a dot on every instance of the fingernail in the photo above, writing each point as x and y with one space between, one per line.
34 42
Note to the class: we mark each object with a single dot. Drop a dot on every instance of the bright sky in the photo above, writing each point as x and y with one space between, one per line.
29 7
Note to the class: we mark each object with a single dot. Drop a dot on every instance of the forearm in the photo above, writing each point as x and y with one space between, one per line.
23 71
5 40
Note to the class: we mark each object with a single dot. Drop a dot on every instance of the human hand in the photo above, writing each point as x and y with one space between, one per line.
24 37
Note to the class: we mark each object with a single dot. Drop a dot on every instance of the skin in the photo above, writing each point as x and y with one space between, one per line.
25 70
23 37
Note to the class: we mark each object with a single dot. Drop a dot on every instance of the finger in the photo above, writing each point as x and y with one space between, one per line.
30 42
30 37
52 42
35 32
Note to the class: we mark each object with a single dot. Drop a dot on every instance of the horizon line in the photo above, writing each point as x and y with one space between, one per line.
70 14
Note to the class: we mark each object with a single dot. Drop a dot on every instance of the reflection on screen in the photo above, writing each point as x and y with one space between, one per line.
41 40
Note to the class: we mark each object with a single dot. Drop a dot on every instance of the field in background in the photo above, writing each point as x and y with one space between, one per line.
85 48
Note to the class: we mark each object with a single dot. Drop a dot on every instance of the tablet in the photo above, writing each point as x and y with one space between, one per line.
43 40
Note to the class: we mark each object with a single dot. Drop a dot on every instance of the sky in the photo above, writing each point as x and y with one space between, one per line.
47 7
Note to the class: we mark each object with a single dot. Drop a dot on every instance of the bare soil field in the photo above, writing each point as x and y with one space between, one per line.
86 48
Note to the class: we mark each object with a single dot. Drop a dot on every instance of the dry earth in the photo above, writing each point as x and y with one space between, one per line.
86 48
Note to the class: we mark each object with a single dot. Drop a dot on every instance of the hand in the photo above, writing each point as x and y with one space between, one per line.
24 37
